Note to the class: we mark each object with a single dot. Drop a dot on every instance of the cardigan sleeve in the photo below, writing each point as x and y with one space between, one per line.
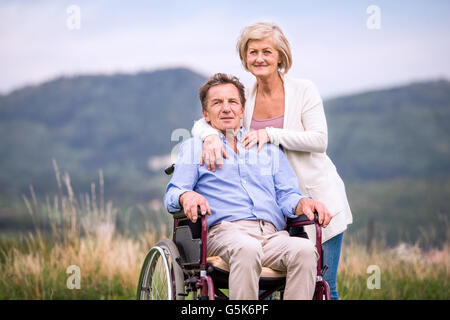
202 129
314 138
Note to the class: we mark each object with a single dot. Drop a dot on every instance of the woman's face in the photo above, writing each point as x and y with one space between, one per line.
262 57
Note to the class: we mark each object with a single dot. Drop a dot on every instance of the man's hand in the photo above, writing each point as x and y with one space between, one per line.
190 201
212 152
307 206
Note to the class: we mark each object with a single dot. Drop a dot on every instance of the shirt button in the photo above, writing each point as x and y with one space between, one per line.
244 181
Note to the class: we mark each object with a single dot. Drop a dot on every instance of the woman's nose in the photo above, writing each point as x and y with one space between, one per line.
259 58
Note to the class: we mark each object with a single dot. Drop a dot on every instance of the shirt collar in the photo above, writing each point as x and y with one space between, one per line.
242 131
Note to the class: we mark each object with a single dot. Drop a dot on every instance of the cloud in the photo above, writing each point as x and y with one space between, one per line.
331 44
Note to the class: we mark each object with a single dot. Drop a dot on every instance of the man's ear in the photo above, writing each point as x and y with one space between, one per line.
205 114
241 116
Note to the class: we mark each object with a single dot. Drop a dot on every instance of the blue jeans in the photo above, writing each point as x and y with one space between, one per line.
331 255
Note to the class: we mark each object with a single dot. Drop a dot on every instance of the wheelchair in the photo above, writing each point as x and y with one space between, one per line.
179 268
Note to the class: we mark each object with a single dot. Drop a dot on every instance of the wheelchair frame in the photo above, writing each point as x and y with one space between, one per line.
185 267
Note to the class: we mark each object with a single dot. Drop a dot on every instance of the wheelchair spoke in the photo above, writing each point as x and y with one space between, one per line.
159 286
161 278
155 282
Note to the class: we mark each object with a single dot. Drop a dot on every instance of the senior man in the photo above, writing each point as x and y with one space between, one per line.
247 202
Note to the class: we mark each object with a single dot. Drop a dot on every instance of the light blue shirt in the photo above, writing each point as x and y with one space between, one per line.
250 186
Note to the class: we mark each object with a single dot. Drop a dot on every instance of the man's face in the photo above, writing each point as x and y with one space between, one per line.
224 108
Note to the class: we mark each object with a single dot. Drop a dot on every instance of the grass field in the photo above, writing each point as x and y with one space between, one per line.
34 267
83 234
109 264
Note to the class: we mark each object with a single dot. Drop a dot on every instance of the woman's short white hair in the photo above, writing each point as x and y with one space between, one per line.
260 31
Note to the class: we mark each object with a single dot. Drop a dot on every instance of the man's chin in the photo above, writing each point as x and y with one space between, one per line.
231 127
225 128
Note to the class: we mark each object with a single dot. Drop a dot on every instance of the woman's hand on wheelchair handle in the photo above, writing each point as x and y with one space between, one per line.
191 201
307 207
212 152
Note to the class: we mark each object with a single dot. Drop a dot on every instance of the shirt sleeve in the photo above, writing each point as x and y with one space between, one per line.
185 175
286 185
315 136
202 129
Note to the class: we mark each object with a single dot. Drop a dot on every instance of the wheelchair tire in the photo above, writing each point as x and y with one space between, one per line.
161 276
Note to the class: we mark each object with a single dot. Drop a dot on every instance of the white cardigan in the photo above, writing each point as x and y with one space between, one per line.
304 138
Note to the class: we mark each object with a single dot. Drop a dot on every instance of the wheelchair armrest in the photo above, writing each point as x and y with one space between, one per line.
301 220
179 215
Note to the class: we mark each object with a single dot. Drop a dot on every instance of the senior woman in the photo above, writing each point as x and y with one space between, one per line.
287 112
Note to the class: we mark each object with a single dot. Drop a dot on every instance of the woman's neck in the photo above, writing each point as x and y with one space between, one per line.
267 86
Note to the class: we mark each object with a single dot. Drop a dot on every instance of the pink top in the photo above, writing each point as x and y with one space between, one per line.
276 122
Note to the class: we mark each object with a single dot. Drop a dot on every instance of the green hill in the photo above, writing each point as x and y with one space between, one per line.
86 123
392 147
399 132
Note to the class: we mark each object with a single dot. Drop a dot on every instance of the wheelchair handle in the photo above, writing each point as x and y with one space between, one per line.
302 220
181 215
170 170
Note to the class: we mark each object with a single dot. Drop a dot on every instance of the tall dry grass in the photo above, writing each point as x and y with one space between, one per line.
83 233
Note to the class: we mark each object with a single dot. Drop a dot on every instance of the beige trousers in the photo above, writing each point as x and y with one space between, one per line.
247 245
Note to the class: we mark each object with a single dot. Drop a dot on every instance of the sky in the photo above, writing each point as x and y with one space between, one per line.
344 47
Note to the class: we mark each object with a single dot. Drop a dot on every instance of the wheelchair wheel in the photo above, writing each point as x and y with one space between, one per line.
161 276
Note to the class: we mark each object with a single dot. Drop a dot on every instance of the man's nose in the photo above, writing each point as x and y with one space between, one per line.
226 107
